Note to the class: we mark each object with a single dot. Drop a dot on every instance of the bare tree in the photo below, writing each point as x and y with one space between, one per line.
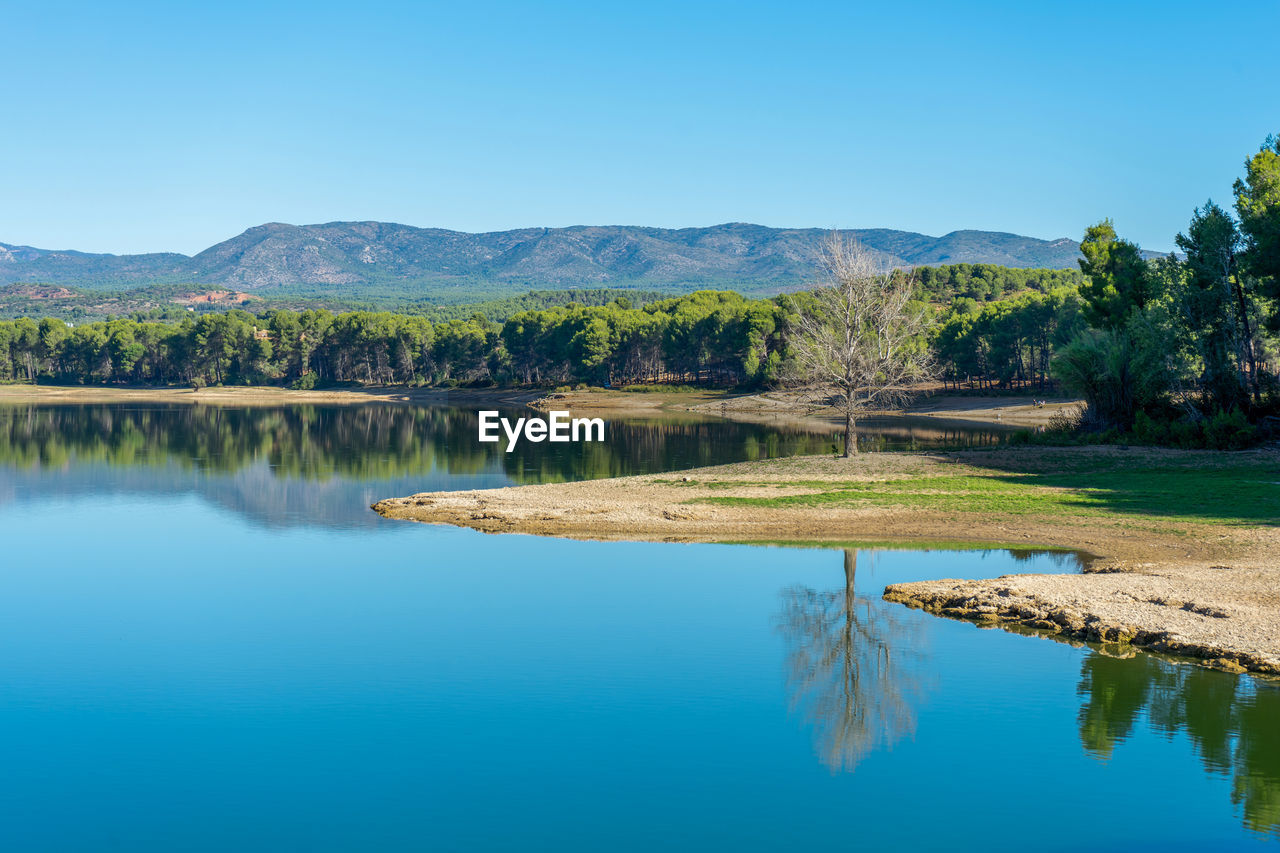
858 340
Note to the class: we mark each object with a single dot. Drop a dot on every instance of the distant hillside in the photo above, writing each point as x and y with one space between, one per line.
172 302
352 257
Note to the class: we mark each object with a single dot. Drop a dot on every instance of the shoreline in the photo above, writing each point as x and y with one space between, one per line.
769 407
1204 587
262 395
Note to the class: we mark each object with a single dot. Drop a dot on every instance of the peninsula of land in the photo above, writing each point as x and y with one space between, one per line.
1181 545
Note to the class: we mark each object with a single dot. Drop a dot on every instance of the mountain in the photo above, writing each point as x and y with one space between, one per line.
351 256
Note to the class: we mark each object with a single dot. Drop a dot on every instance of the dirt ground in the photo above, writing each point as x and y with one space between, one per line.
784 407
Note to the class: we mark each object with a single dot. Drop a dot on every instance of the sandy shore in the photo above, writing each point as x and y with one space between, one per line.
262 395
783 407
1207 588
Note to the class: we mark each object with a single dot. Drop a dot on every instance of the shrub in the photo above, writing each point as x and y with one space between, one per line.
1117 372
1149 430
305 382
1224 431
1229 431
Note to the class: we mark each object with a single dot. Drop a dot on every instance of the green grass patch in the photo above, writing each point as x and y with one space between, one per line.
1239 495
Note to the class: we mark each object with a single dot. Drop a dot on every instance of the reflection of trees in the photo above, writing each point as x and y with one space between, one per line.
636 446
851 678
300 441
380 442
1118 690
366 442
1232 721
1065 561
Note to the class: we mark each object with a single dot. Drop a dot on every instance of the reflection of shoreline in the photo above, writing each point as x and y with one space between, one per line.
1233 723
853 676
254 491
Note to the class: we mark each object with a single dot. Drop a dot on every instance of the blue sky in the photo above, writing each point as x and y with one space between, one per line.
153 127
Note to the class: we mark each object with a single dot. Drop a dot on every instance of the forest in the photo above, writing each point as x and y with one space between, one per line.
543 338
716 338
707 337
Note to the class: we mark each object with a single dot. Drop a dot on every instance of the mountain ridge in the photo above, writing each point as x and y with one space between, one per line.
356 255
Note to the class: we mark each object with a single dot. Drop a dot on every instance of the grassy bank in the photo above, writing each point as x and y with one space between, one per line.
1154 489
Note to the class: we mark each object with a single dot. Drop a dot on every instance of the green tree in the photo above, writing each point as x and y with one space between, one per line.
1258 206
1216 312
1116 277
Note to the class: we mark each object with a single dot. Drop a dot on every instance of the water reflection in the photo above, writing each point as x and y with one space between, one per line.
367 442
1233 723
856 676
853 672
324 465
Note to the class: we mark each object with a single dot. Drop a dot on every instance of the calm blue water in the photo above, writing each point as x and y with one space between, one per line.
176 674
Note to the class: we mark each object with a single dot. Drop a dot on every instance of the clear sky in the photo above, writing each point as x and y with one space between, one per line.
129 127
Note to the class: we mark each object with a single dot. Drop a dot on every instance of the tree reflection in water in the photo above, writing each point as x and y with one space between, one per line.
853 677
1233 722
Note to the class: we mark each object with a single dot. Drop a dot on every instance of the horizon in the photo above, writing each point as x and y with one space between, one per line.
172 124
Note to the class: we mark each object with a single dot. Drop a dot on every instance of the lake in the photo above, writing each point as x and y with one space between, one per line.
210 643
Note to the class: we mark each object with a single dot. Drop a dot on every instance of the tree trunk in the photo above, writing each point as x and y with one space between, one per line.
1248 343
850 437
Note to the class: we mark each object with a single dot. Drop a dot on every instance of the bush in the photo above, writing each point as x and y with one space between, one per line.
1148 430
1119 373
1229 431
1224 431
305 382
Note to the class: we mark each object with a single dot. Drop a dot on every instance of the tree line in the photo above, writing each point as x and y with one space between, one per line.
708 337
1005 344
990 282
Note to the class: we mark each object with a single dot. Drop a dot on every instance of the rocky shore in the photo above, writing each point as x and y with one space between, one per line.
1226 616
